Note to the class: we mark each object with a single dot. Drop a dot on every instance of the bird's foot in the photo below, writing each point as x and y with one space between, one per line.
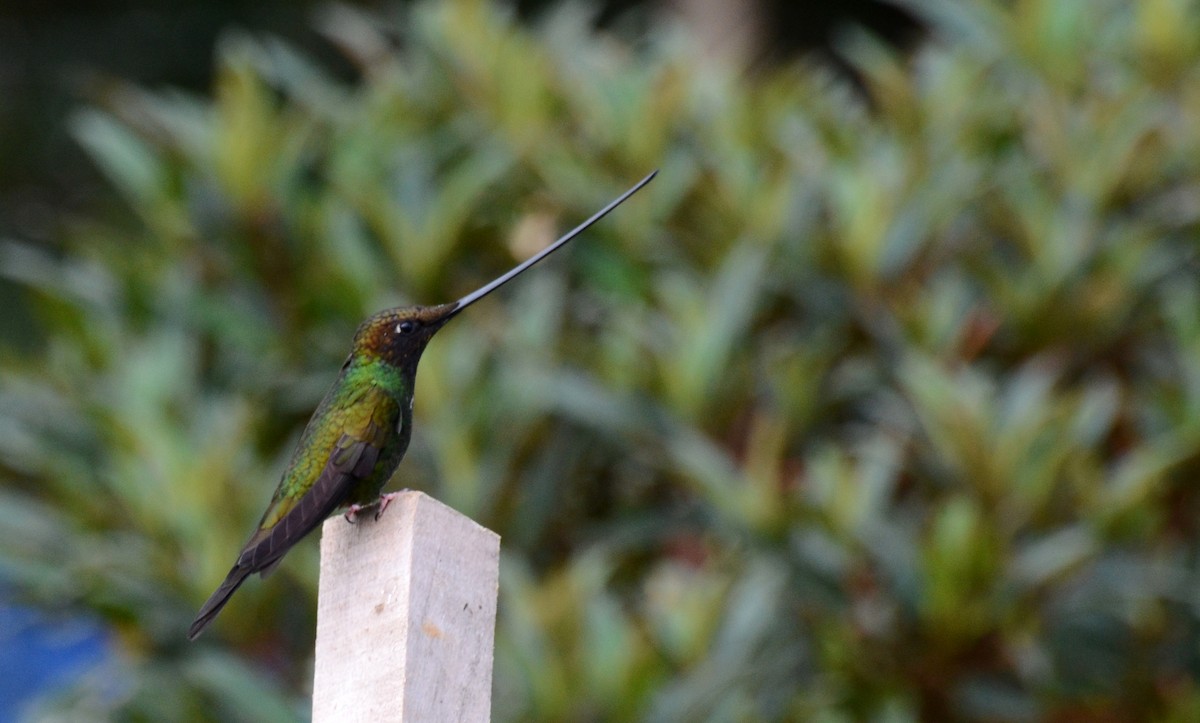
383 502
380 505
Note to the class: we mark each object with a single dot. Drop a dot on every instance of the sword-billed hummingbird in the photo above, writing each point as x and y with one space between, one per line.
360 431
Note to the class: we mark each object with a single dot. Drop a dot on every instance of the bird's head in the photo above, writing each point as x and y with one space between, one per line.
398 336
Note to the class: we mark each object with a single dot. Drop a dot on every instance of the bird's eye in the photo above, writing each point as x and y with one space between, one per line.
405 327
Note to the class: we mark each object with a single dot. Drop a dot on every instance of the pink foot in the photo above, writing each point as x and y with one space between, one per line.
383 502
380 505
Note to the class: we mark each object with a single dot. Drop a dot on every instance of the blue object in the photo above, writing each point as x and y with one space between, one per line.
40 654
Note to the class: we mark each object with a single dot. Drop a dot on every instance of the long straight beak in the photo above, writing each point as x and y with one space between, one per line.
483 291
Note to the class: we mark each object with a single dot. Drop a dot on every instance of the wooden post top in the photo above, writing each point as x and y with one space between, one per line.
406 616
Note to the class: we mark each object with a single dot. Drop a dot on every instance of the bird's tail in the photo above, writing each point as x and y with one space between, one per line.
217 600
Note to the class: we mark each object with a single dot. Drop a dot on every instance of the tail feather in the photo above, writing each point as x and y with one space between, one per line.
217 600
352 461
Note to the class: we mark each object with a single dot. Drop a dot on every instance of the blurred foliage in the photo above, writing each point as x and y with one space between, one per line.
878 405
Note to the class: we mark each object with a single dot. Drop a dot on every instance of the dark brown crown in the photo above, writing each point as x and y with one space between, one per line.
398 336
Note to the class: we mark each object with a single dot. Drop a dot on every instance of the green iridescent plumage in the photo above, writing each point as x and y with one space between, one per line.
350 448
359 432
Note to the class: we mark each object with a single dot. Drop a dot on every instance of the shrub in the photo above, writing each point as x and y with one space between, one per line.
882 402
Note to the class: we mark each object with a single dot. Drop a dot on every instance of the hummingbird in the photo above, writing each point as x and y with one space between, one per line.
360 430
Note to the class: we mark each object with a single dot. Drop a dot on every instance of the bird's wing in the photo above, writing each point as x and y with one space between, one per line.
364 427
359 427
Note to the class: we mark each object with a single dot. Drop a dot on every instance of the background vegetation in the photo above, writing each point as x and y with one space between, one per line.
881 403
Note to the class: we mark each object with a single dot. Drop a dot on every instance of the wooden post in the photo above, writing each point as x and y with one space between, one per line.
406 616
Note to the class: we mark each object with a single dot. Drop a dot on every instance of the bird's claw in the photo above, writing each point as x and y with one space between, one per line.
383 502
380 505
